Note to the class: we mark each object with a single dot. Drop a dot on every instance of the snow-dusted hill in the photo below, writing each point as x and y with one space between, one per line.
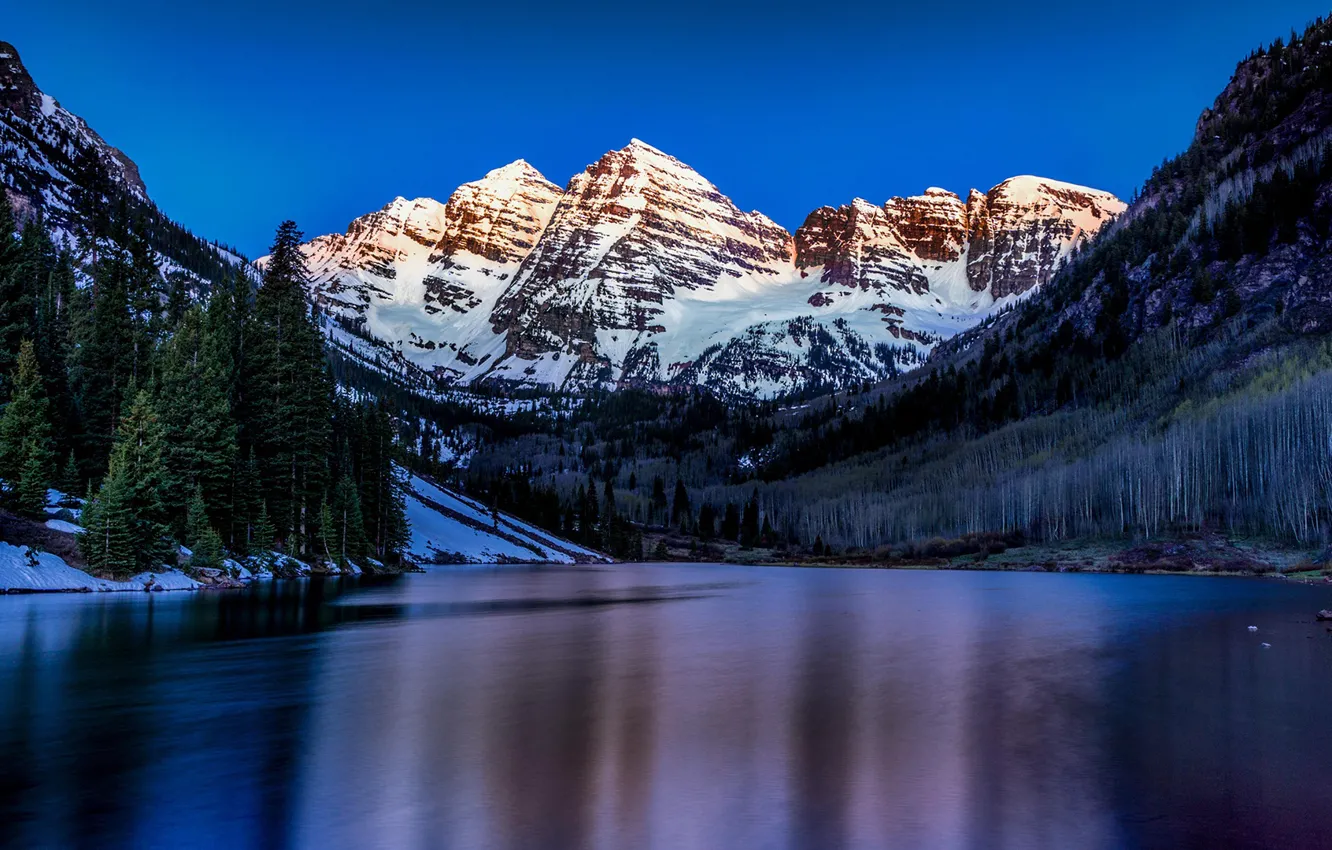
449 528
641 272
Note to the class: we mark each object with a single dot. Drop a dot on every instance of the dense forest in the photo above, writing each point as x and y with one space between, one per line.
209 422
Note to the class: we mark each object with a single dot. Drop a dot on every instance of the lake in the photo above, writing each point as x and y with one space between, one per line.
672 706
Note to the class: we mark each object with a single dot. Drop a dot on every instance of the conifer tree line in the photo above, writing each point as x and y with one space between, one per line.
211 424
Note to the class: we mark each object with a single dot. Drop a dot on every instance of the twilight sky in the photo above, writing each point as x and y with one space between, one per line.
250 112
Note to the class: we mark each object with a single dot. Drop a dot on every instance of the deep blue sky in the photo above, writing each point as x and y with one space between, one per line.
250 112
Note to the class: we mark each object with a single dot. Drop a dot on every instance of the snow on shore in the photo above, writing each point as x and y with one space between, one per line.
22 570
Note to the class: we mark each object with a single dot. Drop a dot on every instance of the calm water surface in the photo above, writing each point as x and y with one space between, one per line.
672 707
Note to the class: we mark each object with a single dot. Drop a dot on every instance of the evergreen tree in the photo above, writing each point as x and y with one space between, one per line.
658 497
707 521
680 503
25 441
749 524
55 297
15 300
730 526
288 393
348 524
144 294
129 504
102 363
397 531
71 480
327 537
111 534
207 552
263 537
196 519
200 435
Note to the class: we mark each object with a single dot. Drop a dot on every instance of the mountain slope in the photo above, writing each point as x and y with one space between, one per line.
642 273
448 528
427 275
54 165
1174 378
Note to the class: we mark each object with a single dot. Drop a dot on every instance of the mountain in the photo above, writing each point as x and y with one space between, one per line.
54 165
642 273
427 275
1175 379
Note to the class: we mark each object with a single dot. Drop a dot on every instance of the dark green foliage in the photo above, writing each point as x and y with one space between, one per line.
111 533
208 552
16 313
199 430
346 537
25 436
287 396
263 537
133 493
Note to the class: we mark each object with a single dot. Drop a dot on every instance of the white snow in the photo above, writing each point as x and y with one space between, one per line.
21 569
654 219
437 537
62 525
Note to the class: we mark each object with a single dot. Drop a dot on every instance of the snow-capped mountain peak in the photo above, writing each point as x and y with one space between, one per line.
641 272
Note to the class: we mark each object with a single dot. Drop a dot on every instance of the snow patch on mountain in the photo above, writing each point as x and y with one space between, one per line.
642 273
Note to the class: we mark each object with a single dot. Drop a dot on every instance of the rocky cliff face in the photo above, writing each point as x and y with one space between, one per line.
633 234
425 276
641 272
1010 239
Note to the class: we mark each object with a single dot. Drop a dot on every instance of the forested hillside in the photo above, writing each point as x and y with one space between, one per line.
1171 378
210 424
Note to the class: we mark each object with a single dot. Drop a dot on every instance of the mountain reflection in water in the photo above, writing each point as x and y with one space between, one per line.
671 707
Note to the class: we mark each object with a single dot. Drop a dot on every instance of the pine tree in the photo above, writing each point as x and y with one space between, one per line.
680 503
196 519
707 522
348 524
70 481
207 552
200 435
111 534
25 441
102 362
144 293
16 311
136 480
287 409
262 538
397 531
749 524
730 526
327 537
55 297
658 497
